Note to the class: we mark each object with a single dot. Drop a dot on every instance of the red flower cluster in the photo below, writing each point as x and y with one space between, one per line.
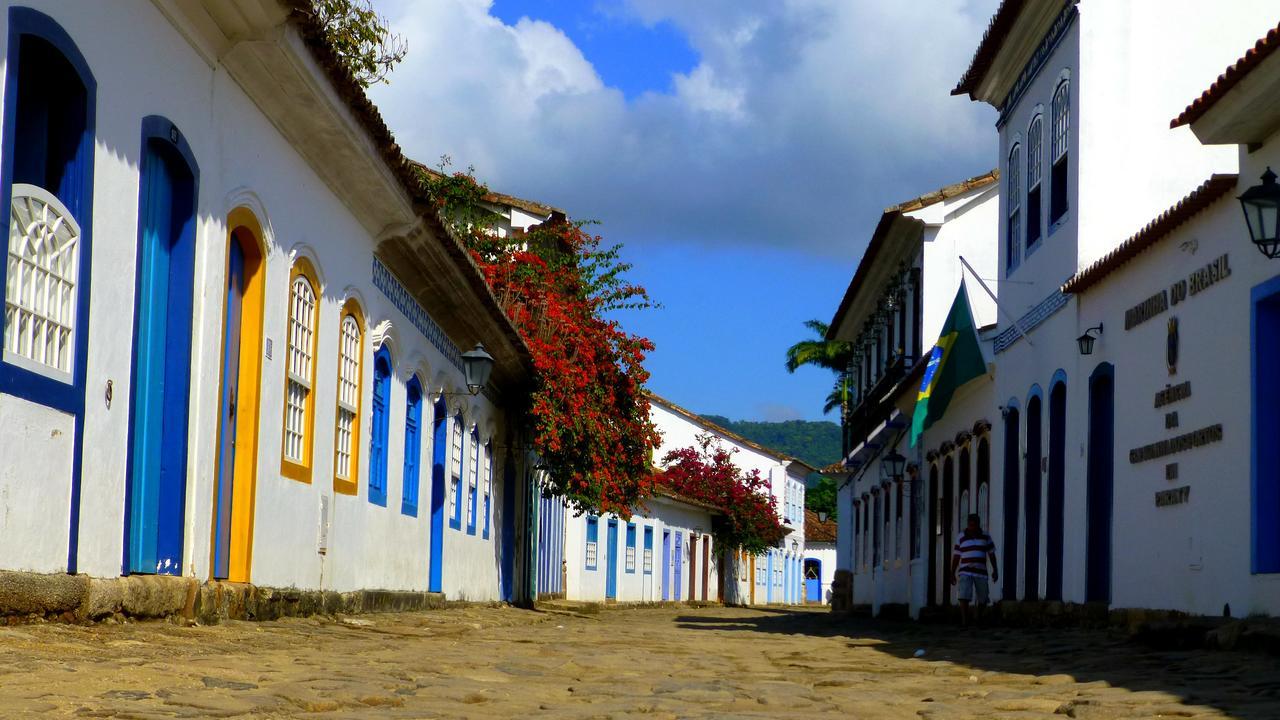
707 473
589 413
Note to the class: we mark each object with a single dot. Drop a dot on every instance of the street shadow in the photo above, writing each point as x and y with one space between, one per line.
1246 686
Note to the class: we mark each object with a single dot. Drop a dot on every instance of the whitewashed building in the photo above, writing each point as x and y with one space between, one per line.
819 558
666 552
234 330
893 527
1084 92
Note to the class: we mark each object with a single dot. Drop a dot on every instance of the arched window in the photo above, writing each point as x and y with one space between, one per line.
1013 226
1058 152
488 492
379 426
1034 153
346 436
473 481
456 460
300 368
984 483
964 508
49 137
412 447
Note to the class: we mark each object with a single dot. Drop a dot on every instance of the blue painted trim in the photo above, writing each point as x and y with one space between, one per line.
439 488
486 487
1048 44
1059 376
593 536
1036 392
16 381
412 473
631 545
473 493
1264 463
156 127
1013 404
455 521
379 426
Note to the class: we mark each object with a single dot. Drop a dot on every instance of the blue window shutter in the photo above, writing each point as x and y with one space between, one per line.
593 543
412 447
378 428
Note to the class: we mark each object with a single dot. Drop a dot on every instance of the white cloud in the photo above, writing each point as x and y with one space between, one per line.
802 119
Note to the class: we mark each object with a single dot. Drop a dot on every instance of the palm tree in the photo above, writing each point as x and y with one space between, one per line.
833 355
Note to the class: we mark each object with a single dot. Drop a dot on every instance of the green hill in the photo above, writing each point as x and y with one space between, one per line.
817 443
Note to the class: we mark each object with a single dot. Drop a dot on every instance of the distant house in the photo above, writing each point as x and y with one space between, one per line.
819 558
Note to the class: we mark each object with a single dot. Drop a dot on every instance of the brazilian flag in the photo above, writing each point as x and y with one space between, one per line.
955 360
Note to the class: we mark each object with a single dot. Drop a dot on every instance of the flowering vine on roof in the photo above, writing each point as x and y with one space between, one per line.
705 472
589 412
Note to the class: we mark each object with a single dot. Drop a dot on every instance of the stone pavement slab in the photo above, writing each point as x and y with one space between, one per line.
668 662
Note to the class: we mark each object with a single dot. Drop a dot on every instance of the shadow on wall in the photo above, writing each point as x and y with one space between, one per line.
1242 685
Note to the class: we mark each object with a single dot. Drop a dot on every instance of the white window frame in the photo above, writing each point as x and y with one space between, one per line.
348 394
303 310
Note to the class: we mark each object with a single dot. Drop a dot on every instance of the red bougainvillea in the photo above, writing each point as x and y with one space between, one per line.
588 411
706 472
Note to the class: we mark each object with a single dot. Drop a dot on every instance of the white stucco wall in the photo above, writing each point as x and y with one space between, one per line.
143 66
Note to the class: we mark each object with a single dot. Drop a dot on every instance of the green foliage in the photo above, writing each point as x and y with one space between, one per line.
817 443
361 38
833 355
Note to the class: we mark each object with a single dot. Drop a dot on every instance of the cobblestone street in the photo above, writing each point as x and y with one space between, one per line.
668 662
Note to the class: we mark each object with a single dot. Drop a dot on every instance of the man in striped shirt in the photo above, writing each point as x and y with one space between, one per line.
973 548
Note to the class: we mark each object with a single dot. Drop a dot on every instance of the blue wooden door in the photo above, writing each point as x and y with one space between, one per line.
611 562
379 427
508 529
1100 484
812 580
162 362
227 413
677 563
439 442
769 592
666 564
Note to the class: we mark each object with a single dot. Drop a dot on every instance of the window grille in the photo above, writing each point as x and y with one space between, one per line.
348 395
40 293
302 315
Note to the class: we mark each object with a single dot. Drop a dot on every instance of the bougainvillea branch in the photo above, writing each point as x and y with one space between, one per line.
589 412
706 472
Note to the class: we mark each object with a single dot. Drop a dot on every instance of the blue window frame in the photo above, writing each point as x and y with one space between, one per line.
631 549
378 427
1265 339
1013 200
457 460
473 481
593 543
648 550
488 487
412 447
48 142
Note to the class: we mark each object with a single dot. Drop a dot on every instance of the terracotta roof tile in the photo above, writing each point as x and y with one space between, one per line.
817 531
997 30
1202 197
882 228
694 417
1229 78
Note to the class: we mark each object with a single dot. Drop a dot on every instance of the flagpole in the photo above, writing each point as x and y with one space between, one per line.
999 309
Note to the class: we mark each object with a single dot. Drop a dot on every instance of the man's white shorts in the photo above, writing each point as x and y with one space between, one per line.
973 589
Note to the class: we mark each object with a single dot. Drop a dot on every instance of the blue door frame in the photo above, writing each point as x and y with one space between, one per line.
439 446
768 596
227 412
666 564
159 404
508 586
813 580
677 562
611 562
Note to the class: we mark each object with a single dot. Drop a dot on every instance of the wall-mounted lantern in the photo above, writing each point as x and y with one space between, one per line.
892 467
476 365
1261 204
1086 340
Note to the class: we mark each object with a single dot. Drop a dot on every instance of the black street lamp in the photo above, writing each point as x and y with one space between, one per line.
1261 204
476 366
1086 340
892 467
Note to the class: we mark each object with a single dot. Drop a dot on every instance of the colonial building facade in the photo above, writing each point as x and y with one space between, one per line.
1107 316
235 330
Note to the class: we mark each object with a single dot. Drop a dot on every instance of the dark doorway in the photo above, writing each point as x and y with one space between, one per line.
948 538
1100 484
1031 575
934 532
1012 486
1055 517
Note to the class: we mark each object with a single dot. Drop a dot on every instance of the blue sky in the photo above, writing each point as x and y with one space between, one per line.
742 150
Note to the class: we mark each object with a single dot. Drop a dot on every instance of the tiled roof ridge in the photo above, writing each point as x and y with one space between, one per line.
997 30
1229 78
722 430
816 530
532 206
882 227
353 94
1206 194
